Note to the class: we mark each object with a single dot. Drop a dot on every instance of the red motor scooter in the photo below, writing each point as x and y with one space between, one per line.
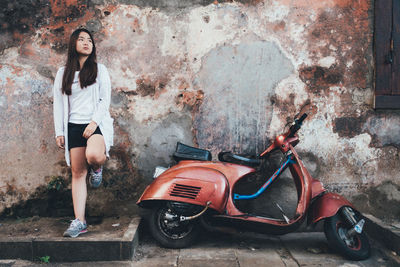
199 192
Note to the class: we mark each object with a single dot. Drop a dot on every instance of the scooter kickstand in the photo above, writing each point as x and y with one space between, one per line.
283 214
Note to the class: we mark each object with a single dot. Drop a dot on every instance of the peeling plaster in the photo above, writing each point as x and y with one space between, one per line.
327 62
278 12
341 156
386 129
235 113
222 26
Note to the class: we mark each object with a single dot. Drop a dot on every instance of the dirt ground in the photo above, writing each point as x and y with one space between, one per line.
47 227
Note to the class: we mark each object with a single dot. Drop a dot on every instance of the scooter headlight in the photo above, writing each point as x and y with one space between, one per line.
158 171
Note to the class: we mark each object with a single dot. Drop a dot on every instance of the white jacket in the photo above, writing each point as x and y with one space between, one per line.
101 92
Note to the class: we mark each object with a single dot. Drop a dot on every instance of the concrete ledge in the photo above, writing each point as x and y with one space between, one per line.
16 249
96 247
387 235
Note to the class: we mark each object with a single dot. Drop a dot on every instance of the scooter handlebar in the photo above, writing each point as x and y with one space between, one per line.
302 118
297 125
292 131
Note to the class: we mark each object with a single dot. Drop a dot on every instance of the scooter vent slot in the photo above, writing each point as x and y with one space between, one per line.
185 191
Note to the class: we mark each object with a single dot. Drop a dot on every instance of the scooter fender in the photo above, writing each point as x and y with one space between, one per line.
326 206
194 185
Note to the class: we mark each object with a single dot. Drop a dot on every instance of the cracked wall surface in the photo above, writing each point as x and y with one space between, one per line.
223 75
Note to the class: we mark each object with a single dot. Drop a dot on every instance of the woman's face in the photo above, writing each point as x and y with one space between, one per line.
84 45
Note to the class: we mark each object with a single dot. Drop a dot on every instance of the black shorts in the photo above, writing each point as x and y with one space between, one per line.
75 135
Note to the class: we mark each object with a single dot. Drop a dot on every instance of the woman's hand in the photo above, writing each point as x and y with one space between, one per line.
89 130
60 141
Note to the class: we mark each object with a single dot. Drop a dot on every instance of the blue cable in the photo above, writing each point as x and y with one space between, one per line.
265 186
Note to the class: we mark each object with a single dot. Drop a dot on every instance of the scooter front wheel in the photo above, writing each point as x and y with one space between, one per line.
354 247
166 227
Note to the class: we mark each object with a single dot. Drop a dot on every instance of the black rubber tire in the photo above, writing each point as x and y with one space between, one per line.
361 249
183 235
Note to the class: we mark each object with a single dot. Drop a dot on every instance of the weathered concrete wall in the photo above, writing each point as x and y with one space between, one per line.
218 74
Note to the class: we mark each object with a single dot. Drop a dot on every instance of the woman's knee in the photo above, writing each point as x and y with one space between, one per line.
95 158
78 173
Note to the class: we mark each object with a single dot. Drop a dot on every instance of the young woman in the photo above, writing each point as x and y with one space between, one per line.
83 125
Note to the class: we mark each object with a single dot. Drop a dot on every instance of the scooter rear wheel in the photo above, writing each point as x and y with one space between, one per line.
355 247
169 231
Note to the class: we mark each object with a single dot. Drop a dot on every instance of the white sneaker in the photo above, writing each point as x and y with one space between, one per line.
75 228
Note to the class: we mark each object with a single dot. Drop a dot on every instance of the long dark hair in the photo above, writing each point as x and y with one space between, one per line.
88 73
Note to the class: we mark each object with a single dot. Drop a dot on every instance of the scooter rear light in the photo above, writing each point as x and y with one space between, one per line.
158 171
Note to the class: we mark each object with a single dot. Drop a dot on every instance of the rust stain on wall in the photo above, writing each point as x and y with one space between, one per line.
342 31
22 18
191 99
146 87
348 126
319 78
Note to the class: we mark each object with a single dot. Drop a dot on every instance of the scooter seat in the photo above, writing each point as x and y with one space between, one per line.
233 158
185 152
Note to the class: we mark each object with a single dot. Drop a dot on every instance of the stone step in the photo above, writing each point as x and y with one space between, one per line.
92 246
387 235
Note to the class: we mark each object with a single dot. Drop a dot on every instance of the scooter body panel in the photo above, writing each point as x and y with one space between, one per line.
326 206
195 182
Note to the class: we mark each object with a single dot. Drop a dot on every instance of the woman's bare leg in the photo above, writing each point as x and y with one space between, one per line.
96 151
79 190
